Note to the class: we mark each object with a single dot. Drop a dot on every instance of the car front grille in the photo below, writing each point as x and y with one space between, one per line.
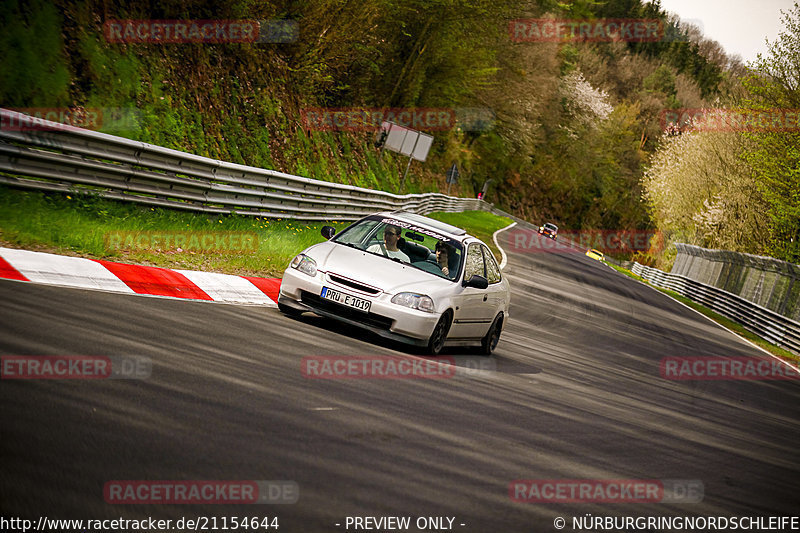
368 319
353 284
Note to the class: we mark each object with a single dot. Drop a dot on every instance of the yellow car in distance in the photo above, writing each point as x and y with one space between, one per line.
596 254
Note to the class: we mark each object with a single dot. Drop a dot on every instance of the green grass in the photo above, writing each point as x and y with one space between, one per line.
82 224
726 322
480 224
77 224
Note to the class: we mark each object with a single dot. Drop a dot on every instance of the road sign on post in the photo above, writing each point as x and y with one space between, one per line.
482 195
452 177
408 142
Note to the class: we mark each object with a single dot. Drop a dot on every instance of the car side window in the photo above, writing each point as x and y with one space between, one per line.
492 270
475 263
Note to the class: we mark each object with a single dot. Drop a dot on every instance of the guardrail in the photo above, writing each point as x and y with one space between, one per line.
56 157
768 324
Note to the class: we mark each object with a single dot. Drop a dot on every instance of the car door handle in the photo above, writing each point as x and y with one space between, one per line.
485 296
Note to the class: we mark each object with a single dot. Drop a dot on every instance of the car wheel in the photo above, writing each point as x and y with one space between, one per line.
489 342
439 335
288 310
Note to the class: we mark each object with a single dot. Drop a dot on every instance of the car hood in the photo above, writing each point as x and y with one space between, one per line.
380 272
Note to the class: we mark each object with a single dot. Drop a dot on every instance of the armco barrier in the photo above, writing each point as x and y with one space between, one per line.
55 157
770 325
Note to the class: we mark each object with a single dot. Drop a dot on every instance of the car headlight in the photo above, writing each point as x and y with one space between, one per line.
304 264
414 301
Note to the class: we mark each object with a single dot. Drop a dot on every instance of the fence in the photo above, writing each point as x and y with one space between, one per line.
765 281
55 157
770 325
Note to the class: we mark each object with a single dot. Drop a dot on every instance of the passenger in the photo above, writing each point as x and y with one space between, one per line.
391 234
443 257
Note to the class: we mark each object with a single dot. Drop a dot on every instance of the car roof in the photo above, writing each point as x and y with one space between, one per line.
441 227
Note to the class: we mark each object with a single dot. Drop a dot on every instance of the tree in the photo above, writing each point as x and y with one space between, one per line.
702 192
775 157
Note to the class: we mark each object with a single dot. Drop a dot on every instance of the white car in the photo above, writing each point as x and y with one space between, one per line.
405 277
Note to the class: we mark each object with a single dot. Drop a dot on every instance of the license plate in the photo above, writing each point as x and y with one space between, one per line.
345 299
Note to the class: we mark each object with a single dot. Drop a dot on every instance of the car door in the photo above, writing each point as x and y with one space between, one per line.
496 292
473 314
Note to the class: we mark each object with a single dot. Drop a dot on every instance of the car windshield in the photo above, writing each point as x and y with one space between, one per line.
552 227
412 244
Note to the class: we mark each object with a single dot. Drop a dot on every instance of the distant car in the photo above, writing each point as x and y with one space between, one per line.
428 284
596 254
549 230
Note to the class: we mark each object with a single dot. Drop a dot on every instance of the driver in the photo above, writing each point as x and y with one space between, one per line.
391 234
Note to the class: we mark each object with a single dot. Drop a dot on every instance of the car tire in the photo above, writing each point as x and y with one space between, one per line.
489 342
439 335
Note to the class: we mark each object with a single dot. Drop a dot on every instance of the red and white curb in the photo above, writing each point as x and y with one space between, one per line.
50 269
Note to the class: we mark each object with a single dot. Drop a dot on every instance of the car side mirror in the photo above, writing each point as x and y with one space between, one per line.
328 232
479 282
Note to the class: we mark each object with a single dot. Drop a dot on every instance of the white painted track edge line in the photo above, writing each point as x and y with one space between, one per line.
504 258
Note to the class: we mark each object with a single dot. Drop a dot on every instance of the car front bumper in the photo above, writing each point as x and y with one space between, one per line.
302 292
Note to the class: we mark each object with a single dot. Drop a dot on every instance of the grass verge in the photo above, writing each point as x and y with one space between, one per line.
480 224
88 226
716 317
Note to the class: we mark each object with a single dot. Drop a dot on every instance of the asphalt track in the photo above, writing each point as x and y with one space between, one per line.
575 393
